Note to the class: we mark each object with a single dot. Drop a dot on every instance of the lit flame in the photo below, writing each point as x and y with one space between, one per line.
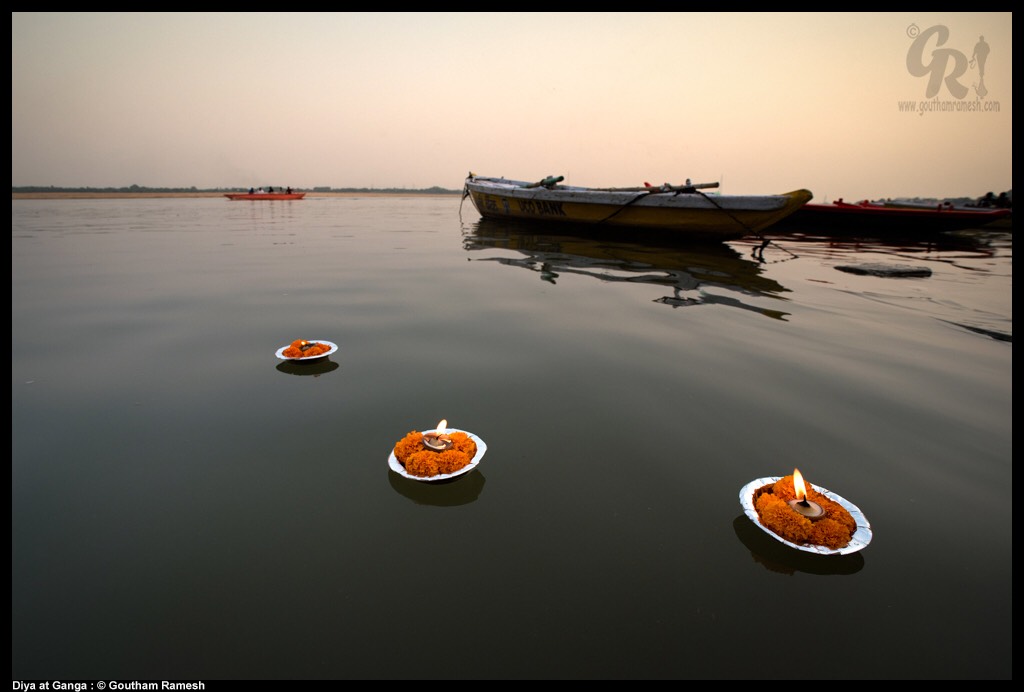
437 439
798 486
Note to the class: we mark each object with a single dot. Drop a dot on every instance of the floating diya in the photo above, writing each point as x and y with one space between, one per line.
438 439
805 517
435 455
306 350
800 504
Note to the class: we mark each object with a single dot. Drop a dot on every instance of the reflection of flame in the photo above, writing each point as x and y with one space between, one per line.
443 424
798 486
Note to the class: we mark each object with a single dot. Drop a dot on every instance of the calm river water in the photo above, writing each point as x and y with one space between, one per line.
187 506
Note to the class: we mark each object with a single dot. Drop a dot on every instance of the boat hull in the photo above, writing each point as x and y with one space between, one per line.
686 213
880 218
265 195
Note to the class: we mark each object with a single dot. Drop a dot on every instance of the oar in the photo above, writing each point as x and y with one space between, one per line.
547 182
663 188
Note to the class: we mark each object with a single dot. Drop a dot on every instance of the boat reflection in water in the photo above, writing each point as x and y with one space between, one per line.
951 247
892 256
693 272
978 242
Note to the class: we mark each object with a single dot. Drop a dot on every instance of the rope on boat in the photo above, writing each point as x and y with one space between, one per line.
465 194
690 190
614 213
744 226
758 252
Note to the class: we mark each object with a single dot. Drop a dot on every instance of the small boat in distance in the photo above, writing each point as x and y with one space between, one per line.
681 210
880 217
265 195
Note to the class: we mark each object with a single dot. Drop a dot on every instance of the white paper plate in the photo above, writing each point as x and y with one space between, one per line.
858 541
481 448
334 347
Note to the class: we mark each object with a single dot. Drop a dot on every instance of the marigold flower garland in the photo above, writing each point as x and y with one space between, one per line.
834 530
423 462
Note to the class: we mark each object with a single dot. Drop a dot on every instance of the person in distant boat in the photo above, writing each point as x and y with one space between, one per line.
270 190
252 191
289 190
260 191
1003 201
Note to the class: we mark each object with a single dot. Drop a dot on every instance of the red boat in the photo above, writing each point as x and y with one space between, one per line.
265 195
872 217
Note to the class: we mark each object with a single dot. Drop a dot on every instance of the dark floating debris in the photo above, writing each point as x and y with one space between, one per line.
894 270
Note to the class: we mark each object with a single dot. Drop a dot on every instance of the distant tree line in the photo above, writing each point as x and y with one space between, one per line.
141 189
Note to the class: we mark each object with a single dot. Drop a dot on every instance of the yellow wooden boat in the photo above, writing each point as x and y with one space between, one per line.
684 210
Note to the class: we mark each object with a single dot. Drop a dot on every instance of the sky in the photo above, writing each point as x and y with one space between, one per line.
761 103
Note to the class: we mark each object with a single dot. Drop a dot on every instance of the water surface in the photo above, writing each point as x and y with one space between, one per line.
186 506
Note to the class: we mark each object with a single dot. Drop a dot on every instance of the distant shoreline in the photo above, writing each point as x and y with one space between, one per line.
150 195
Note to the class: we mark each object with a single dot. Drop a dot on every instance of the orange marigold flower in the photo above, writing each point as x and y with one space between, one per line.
834 530
423 462
312 349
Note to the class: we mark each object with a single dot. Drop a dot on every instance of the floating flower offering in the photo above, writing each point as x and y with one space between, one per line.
300 348
436 454
803 517
306 349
